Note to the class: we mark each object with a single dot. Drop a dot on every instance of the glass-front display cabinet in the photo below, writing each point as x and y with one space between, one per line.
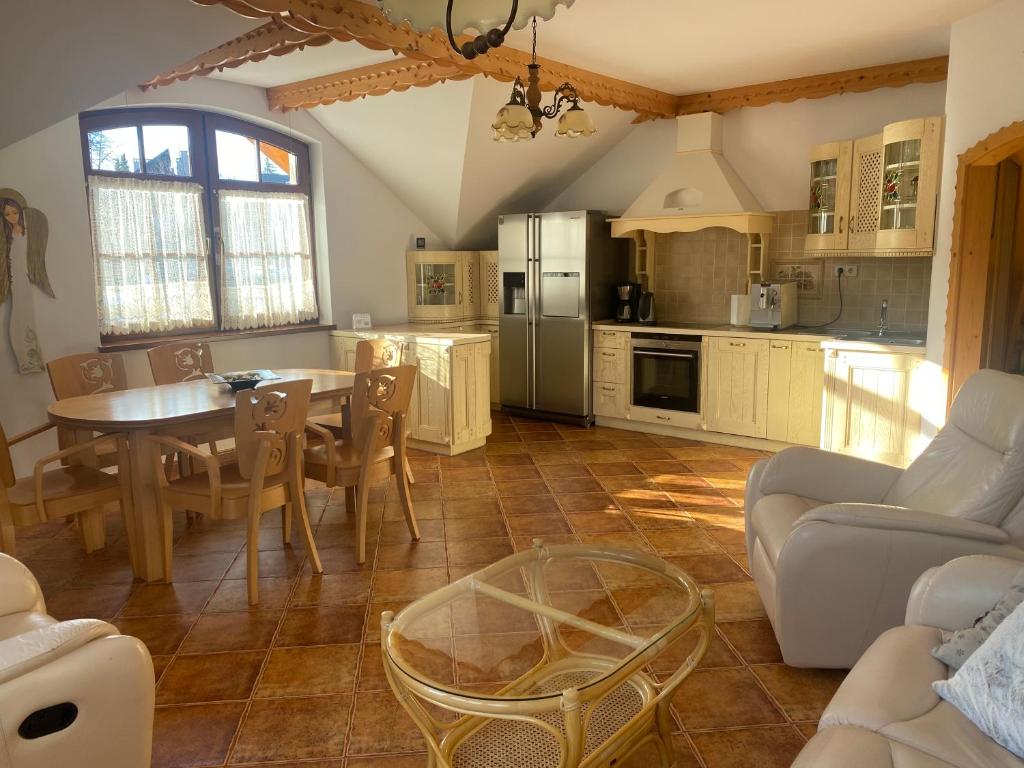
442 285
910 172
829 204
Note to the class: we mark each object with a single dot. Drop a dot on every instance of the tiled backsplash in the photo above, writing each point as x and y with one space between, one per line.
697 272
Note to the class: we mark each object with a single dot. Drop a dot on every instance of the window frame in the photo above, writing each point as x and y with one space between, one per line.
202 126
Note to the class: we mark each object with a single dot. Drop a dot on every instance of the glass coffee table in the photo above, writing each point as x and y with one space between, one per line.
554 657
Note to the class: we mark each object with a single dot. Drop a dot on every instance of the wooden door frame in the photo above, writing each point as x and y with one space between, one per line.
968 288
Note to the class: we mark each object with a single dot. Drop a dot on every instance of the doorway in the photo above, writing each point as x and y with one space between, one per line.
985 314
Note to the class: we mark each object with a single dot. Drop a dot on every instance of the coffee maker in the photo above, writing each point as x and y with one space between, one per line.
627 302
773 305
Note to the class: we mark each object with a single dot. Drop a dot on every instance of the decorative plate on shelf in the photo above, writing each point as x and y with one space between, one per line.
239 380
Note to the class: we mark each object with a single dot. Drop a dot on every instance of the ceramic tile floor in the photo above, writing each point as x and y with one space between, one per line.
298 681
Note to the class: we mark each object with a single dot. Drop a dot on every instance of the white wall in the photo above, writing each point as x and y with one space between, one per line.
985 91
767 146
362 232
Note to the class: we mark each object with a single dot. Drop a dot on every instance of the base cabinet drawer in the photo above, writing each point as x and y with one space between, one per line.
664 417
610 365
611 339
610 400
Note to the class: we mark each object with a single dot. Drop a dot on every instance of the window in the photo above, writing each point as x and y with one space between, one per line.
166 184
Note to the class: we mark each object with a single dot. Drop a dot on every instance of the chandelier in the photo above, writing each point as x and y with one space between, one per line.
492 19
521 118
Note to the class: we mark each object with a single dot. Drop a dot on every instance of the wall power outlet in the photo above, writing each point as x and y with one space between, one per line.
849 270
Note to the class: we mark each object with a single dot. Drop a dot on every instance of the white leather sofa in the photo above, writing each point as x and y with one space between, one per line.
73 694
836 543
885 714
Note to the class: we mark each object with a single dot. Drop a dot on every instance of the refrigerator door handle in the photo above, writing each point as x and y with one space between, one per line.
535 248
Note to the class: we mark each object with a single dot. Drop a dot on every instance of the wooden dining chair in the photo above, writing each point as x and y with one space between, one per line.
70 490
371 354
374 452
269 423
89 374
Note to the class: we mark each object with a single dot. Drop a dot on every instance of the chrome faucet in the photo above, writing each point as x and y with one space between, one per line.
883 319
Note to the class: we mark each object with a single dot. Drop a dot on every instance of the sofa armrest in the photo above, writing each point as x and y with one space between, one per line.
953 596
826 476
902 519
24 653
19 590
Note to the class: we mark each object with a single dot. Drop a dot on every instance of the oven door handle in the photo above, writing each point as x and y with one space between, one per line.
644 353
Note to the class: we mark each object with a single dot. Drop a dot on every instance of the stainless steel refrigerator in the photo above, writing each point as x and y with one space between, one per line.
558 275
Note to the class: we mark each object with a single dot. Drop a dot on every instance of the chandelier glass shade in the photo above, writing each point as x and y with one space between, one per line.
574 123
478 15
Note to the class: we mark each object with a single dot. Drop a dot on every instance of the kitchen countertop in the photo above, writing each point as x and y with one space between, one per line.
413 332
830 338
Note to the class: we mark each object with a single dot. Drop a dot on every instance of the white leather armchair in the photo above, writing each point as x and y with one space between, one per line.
836 543
886 714
72 693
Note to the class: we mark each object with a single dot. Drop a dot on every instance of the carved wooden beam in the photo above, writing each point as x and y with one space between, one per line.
272 39
352 20
373 80
817 86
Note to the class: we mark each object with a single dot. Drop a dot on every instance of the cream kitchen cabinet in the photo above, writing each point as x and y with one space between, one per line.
829 214
450 411
490 289
910 177
443 286
865 193
796 380
867 404
736 386
492 329
610 390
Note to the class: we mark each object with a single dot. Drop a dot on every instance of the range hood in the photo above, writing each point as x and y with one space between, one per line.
699 189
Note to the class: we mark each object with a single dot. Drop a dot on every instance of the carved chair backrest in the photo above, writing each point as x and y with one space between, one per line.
88 374
6 465
385 392
180 361
372 354
275 411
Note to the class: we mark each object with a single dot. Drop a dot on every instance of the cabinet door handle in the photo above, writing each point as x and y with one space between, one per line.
779 346
663 418
608 354
737 344
840 225
608 389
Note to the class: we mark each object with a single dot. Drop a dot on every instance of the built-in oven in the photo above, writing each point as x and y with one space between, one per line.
666 371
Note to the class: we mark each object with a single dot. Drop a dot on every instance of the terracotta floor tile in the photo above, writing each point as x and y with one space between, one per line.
416 554
697 497
476 490
557 459
737 602
541 437
424 510
709 569
161 634
585 484
515 472
194 736
318 670
718 517
586 502
210 566
660 519
483 507
504 437
627 483
565 470
322 625
210 677
293 729
425 492
333 589
510 460
163 599
245 631
521 543
529 505
690 540
648 755
643 499
603 468
706 466
668 482
336 560
91 602
601 521
276 563
496 658
515 488
538 525
531 425
720 698
408 584
803 694
382 761
478 551
807 730
233 595
749 747
455 475
755 640
730 540
474 458
620 539
474 528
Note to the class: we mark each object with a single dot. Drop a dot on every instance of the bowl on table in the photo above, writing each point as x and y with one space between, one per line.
239 380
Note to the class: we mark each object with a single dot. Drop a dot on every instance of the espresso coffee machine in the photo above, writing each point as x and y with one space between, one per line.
773 305
627 302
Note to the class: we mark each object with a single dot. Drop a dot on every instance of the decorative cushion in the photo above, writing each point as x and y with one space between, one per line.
988 688
958 646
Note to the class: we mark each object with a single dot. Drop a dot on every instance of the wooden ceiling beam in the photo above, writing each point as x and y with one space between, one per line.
272 39
352 20
373 80
817 86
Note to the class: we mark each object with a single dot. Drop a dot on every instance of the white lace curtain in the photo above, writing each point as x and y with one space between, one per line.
149 241
267 270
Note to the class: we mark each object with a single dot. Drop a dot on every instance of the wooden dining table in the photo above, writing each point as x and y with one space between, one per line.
198 410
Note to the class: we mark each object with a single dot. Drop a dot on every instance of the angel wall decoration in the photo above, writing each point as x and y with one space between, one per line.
22 265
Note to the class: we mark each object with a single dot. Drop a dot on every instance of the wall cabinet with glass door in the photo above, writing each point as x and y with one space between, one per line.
910 173
443 286
828 217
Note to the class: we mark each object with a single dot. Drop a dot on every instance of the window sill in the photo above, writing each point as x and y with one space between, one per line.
128 345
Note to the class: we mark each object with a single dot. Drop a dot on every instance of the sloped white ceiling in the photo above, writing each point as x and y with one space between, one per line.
63 56
433 147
